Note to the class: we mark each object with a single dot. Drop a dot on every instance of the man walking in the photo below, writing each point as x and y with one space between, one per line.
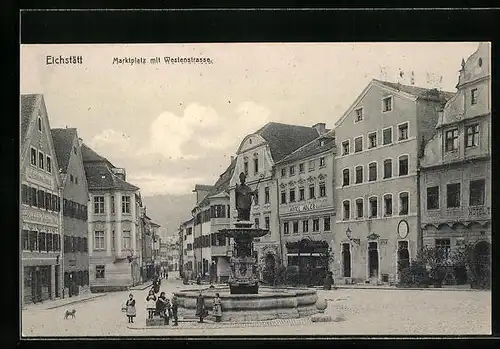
175 305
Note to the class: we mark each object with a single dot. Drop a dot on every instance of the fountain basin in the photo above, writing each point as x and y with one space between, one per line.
269 304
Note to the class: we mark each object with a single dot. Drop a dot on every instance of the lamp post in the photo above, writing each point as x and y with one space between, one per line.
348 233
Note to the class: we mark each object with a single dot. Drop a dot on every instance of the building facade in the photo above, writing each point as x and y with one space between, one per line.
256 157
41 206
74 220
113 220
307 208
186 231
456 165
377 201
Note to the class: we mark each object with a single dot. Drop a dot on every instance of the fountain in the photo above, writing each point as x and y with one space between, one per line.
241 299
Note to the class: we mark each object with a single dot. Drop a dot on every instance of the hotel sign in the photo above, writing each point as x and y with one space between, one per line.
39 178
31 215
303 208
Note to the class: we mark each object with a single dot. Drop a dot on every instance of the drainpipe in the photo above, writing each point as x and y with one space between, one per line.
420 242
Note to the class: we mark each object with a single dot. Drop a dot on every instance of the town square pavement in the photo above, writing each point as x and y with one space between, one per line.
366 312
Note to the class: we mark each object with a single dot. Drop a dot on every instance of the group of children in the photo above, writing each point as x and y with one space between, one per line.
162 306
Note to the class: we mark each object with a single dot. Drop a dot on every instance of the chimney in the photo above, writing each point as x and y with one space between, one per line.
232 158
80 141
320 127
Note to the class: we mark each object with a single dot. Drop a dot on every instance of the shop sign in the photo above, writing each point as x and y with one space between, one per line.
39 178
304 208
39 217
478 211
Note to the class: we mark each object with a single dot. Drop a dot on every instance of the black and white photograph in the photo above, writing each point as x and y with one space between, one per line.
246 189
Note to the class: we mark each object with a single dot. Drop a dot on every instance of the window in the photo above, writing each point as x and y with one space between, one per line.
473 96
403 203
373 207
25 240
359 208
112 198
358 144
301 168
315 224
266 195
292 195
433 198
327 224
41 198
255 198
443 248
40 124
99 271
295 227
292 170
34 197
48 166
403 132
99 240
283 172
98 204
312 164
472 136
245 167
302 195
33 156
126 204
453 195
372 140
387 204
256 165
305 226
388 168
322 190
266 221
113 239
359 114
387 104
476 192
40 160
387 136
451 140
403 165
372 172
359 174
345 148
345 177
347 209
321 162
71 178
257 223
285 228
283 197
311 192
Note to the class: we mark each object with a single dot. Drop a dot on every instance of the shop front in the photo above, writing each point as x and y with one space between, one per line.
37 284
310 257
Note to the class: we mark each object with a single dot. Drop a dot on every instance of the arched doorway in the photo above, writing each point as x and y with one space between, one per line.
373 260
269 269
482 263
346 260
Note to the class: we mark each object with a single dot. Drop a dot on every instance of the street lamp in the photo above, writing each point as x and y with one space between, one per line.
348 234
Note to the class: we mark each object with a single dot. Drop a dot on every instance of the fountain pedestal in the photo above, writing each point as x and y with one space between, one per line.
243 278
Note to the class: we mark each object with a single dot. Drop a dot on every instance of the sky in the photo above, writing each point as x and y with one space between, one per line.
172 126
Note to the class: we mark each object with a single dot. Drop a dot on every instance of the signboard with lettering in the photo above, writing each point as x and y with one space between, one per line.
40 178
303 208
32 215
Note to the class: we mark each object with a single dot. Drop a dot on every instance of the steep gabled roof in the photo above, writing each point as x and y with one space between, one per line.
89 155
63 139
431 94
28 104
310 149
284 139
222 183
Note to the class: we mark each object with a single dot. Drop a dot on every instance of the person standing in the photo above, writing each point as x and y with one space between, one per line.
200 307
161 307
175 306
130 308
217 308
151 303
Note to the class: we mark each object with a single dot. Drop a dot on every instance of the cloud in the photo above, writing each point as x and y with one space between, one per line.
112 143
152 184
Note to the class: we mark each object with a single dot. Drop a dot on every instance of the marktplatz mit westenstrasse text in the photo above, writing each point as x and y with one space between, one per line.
159 60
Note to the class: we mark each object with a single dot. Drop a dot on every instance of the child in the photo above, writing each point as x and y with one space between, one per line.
151 303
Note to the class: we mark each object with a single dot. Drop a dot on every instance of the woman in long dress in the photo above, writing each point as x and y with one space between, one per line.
130 308
217 308
151 303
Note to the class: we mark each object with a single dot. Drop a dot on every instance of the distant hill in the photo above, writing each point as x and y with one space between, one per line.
169 211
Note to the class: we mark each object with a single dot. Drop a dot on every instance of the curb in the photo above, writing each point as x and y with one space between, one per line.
140 288
407 288
77 301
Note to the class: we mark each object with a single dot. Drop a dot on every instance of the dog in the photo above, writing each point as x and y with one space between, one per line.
71 313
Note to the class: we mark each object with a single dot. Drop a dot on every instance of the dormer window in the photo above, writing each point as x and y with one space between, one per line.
480 62
359 114
321 142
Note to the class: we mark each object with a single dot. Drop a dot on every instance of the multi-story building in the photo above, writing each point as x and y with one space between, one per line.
156 246
455 169
40 211
186 230
113 220
306 207
256 157
75 200
147 266
377 201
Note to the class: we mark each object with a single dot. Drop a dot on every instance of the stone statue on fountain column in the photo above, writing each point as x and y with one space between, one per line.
244 196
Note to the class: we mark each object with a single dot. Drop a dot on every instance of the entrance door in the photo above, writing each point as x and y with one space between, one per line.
38 285
373 259
56 283
403 255
346 260
482 260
